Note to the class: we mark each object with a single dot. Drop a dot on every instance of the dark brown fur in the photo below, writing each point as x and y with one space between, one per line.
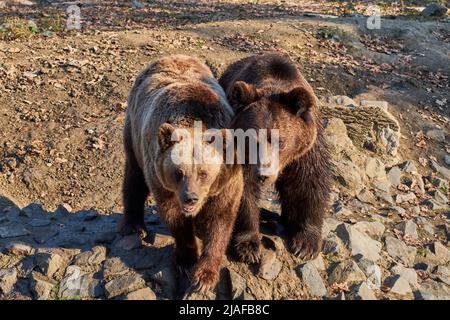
268 91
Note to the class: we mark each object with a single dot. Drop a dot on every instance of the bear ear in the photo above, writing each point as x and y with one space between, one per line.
165 134
243 94
299 101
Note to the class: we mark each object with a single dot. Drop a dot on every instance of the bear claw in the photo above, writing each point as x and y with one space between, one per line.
248 251
204 281
304 246
127 228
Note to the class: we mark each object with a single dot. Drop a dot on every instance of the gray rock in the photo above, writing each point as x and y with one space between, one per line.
141 294
384 197
362 292
8 278
114 267
312 279
367 197
408 274
13 231
372 272
130 242
433 290
405 198
425 224
332 245
441 252
373 229
443 274
237 284
358 242
269 266
434 10
383 185
346 271
347 174
375 168
447 159
440 197
19 249
40 286
409 166
441 170
408 227
438 182
436 135
93 257
395 175
123 284
434 205
398 285
50 263
76 284
342 101
399 251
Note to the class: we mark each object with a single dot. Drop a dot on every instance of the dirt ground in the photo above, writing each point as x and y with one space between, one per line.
63 96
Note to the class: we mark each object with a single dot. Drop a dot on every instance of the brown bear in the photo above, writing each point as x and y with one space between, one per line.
269 92
195 198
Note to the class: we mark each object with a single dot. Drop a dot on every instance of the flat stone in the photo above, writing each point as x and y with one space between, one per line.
49 263
130 242
362 292
425 224
398 285
93 257
342 101
405 198
332 245
141 294
76 284
123 284
399 251
383 185
408 274
433 290
434 205
447 159
8 278
312 279
40 287
384 197
19 249
114 267
238 285
375 168
367 197
443 274
409 166
347 174
372 272
359 243
408 227
395 175
440 169
441 252
373 229
269 266
13 231
346 271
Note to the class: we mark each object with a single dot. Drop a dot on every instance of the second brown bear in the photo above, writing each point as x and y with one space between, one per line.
269 92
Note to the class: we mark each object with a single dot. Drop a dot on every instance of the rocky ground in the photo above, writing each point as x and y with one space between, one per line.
384 97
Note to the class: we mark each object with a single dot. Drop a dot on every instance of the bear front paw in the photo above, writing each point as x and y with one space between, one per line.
204 280
305 244
248 251
127 227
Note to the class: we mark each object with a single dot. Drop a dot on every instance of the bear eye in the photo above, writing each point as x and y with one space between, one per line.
203 175
178 174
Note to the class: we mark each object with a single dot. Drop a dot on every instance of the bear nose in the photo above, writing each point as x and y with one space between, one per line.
190 198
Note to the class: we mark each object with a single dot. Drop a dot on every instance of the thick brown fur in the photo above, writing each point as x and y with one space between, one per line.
172 93
269 92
